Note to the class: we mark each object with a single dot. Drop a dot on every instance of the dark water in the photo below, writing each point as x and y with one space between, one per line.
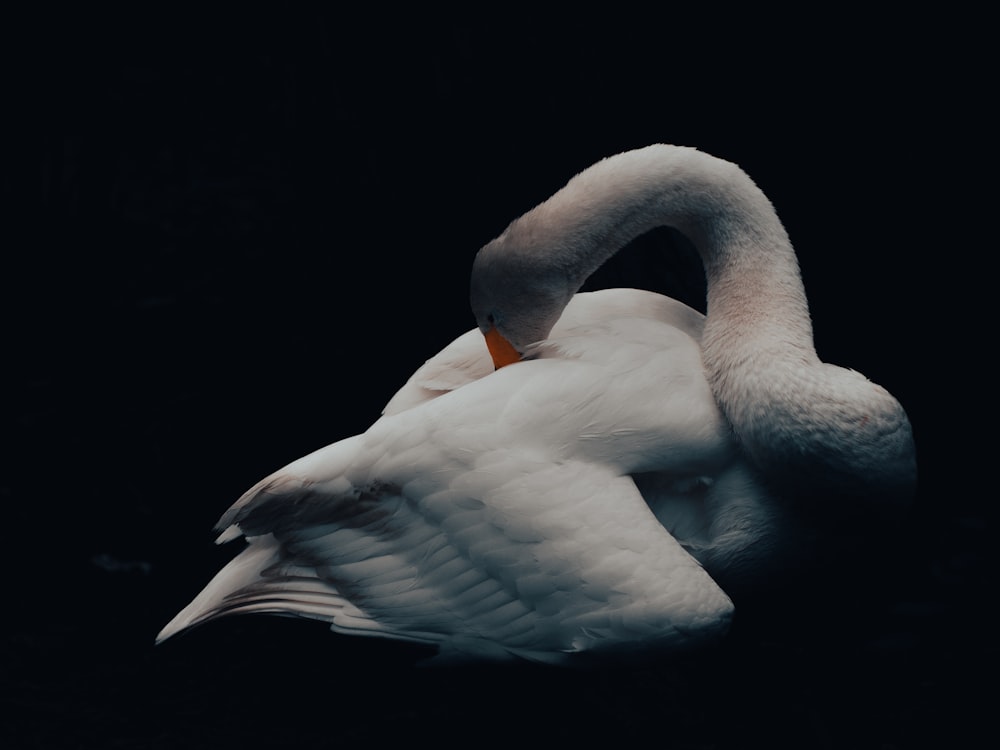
231 239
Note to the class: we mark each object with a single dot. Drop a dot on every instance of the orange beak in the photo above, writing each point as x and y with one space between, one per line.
501 350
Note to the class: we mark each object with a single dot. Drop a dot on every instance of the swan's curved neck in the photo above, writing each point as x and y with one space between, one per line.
754 287
788 408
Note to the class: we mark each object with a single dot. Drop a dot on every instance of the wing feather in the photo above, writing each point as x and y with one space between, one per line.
558 558
489 522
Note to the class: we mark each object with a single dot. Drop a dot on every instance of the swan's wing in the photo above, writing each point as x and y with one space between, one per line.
467 359
509 556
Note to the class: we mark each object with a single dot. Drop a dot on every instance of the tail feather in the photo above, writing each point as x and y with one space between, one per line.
241 572
258 580
261 580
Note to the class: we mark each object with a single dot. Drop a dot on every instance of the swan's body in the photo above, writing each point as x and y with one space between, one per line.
497 513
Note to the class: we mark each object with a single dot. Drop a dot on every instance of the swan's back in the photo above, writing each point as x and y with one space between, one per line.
466 358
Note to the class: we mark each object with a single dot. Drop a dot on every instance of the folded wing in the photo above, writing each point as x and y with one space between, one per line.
506 555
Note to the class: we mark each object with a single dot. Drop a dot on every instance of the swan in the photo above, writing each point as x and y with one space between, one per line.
574 477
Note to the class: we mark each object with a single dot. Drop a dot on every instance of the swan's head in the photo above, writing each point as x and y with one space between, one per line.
516 297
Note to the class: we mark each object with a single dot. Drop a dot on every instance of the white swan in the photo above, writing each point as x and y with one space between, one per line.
494 514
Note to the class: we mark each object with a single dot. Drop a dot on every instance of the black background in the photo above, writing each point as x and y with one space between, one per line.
231 238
